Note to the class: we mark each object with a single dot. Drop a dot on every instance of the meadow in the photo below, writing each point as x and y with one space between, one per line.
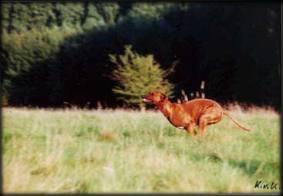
90 151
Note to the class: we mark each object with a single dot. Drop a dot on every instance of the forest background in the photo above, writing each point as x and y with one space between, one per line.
55 53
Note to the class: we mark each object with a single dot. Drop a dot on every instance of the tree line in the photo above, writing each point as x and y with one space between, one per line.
55 53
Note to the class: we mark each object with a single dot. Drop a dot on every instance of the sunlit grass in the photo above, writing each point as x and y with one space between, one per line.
129 151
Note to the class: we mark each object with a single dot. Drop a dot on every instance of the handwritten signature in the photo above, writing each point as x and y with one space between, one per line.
260 184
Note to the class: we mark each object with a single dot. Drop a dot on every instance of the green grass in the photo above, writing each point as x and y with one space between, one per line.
91 151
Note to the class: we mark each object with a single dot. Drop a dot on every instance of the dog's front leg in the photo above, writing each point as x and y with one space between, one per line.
190 129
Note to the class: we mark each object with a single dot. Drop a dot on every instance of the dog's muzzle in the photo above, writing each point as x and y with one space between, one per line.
145 99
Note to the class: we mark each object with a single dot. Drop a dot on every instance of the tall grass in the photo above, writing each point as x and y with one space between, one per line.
88 151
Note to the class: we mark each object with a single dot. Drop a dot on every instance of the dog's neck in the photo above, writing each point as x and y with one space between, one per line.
165 107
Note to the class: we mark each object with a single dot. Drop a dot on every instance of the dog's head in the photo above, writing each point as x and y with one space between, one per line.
155 97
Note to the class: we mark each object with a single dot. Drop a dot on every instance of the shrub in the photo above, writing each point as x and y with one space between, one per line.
137 75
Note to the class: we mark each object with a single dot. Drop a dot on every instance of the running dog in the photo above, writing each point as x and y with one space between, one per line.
197 112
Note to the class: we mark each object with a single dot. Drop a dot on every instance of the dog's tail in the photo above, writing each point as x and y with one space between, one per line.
227 114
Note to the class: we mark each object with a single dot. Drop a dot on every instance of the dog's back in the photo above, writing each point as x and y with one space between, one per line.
196 107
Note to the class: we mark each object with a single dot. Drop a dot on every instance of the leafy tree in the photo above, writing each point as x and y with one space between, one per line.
137 75
109 11
92 18
26 62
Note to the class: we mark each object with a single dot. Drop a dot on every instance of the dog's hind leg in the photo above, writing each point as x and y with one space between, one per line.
202 124
211 116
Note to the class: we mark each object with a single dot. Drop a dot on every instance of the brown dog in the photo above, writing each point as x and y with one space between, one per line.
186 115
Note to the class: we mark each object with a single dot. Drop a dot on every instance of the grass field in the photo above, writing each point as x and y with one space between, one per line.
90 151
